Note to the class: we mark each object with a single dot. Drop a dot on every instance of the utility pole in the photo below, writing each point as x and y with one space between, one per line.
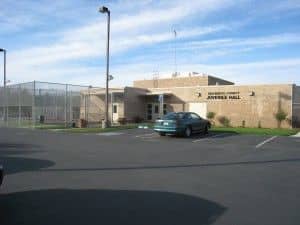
4 83
175 54
104 9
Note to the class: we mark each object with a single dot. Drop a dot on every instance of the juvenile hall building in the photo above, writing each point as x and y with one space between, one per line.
243 105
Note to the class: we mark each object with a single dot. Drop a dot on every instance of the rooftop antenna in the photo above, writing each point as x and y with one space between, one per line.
155 78
155 74
175 54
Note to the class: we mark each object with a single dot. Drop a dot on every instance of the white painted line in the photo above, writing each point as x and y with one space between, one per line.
109 134
145 135
265 141
205 138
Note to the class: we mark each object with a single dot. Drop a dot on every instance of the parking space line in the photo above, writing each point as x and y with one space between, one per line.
205 138
145 135
265 141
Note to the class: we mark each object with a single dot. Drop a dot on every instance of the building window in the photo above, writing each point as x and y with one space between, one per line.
156 109
149 111
115 109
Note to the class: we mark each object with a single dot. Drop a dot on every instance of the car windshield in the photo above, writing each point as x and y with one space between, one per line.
173 116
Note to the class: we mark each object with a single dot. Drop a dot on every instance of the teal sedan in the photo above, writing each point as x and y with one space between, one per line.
181 123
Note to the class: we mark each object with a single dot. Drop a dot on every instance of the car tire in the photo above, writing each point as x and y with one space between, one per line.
1 175
188 132
162 134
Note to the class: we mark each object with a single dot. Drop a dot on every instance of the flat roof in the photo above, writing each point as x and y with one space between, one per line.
153 93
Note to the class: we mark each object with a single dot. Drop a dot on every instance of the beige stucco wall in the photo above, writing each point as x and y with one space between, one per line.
180 82
255 104
93 106
134 103
266 102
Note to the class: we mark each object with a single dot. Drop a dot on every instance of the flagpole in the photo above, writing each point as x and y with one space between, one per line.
175 53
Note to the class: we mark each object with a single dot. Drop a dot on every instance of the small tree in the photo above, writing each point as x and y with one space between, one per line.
243 123
280 116
224 121
210 115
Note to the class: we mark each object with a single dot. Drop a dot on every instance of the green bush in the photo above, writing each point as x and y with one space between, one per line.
137 119
243 123
224 121
122 120
280 116
210 115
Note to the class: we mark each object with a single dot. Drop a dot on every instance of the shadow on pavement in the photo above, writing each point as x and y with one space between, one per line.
18 164
21 146
109 207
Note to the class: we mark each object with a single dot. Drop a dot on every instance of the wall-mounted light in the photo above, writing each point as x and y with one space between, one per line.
199 94
252 93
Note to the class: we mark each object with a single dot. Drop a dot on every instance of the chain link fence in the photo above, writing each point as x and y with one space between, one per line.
41 103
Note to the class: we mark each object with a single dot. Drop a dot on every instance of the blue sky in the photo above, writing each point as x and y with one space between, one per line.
246 41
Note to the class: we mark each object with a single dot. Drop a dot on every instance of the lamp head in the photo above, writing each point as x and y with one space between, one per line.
104 9
2 50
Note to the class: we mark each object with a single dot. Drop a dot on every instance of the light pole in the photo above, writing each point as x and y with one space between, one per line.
104 9
4 82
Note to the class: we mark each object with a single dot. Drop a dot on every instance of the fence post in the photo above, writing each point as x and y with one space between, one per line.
33 106
71 109
19 104
66 105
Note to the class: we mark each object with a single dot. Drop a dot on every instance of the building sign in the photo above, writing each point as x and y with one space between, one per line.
223 95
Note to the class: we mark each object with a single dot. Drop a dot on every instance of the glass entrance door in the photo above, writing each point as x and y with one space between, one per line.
153 111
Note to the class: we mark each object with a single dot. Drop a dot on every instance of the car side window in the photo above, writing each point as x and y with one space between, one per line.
195 116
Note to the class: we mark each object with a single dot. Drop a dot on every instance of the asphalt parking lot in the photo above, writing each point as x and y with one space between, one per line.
136 177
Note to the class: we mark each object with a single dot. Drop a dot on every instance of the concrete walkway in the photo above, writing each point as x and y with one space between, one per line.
297 135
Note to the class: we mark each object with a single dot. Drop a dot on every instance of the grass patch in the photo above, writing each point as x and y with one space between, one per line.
49 126
257 131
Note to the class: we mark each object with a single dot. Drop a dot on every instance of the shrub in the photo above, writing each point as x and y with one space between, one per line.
224 121
137 119
280 116
259 124
122 120
243 123
210 115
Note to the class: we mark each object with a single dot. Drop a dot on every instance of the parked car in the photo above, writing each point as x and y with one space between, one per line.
181 123
1 174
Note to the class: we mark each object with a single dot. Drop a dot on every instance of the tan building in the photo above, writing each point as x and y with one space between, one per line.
243 105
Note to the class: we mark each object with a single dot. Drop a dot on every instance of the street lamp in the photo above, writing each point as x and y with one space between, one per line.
104 9
4 81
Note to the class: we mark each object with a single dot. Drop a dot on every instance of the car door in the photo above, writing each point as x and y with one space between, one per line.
198 122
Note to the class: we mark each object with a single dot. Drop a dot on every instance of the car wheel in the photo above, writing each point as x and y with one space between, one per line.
162 134
188 132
